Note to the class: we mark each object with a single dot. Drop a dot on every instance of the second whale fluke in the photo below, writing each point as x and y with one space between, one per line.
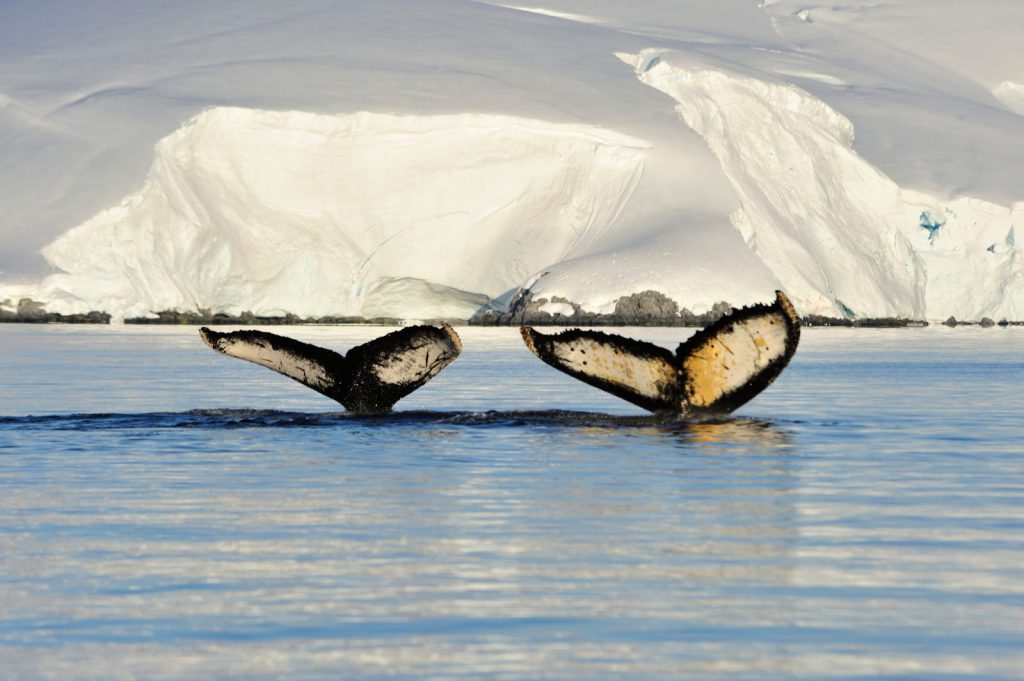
369 379
714 372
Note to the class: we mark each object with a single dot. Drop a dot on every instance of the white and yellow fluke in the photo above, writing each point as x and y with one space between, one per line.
714 372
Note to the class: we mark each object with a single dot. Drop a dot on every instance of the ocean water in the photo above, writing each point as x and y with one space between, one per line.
170 513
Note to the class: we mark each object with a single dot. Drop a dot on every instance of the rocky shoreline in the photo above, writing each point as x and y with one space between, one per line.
647 308
28 311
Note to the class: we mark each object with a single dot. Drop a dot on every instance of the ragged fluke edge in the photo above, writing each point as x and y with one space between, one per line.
716 371
369 379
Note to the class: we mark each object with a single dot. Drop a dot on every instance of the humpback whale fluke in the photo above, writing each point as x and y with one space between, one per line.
717 370
369 379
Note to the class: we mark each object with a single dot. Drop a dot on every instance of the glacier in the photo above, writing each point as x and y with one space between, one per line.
837 232
427 160
291 212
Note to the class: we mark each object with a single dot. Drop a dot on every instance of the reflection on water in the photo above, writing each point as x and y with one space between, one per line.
864 517
727 431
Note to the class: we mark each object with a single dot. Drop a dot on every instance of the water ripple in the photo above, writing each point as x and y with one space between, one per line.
269 418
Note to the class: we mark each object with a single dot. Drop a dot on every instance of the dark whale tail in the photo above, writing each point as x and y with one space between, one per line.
369 379
714 372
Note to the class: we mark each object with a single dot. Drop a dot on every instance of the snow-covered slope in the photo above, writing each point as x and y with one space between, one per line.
312 214
416 159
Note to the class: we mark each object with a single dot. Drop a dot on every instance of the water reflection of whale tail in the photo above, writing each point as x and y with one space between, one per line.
714 372
369 379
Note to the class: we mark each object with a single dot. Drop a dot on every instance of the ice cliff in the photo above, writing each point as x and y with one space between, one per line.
838 233
363 214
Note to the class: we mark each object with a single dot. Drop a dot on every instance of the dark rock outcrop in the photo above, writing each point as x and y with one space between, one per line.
645 308
29 311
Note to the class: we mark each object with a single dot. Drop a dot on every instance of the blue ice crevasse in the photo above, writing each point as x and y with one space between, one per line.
847 312
931 224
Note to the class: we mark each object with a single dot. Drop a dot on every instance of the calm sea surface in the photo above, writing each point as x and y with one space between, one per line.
170 513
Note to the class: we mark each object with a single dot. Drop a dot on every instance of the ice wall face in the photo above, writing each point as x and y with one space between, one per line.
841 236
278 212
814 211
971 255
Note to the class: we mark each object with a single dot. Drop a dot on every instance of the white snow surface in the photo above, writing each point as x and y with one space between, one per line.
416 159
313 214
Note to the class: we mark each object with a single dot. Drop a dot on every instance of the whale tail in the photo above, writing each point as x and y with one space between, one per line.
369 379
716 371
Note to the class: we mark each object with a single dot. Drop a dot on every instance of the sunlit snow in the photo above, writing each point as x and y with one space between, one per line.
420 160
